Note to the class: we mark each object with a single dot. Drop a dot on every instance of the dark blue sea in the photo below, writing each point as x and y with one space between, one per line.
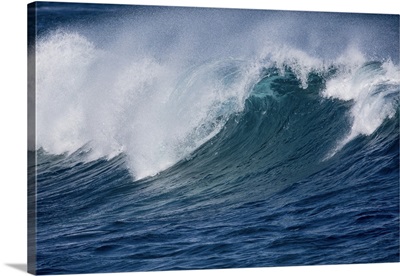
182 138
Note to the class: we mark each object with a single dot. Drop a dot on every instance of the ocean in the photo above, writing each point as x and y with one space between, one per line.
182 138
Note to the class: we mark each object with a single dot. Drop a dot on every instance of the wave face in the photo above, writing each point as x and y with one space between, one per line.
211 143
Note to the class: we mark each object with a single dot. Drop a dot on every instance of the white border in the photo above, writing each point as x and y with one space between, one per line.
13 132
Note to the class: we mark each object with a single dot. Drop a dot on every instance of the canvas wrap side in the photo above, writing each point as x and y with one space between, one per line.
31 140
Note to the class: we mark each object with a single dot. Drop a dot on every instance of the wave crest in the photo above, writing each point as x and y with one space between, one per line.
158 111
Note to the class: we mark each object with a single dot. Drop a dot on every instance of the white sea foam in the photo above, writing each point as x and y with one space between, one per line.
373 90
156 113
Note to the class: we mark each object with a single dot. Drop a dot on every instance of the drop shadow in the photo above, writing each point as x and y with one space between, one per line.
20 267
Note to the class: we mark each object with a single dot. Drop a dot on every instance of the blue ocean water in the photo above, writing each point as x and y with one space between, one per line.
161 148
